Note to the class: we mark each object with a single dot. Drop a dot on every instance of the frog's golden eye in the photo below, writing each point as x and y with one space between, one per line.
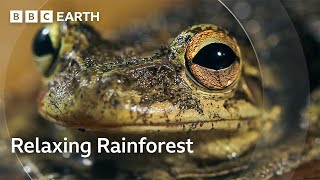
213 59
46 45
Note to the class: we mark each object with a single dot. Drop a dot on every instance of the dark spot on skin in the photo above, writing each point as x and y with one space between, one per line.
227 105
216 115
115 102
241 95
98 91
196 30
144 121
180 39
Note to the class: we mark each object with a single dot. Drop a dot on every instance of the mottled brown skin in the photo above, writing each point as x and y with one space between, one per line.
96 86
108 86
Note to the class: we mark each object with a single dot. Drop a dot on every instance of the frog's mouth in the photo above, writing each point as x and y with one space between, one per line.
160 116
217 125
228 125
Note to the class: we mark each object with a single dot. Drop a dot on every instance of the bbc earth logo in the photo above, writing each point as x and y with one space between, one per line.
49 16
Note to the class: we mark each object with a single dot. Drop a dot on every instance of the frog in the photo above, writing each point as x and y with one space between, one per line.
202 83
173 90
148 94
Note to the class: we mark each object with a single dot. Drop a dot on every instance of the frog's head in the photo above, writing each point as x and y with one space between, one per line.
195 82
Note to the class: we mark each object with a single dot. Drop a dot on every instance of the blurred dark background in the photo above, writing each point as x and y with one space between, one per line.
305 15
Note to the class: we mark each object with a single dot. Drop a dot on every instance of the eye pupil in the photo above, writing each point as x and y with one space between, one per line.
215 56
42 44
